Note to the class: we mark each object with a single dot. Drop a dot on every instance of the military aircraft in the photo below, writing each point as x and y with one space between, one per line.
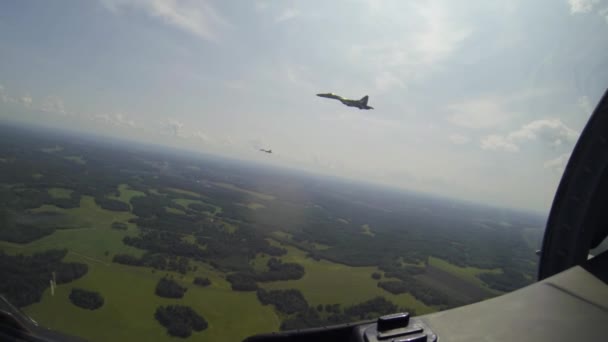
361 104
267 151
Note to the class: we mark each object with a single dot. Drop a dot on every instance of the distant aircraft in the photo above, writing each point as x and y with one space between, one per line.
267 151
361 104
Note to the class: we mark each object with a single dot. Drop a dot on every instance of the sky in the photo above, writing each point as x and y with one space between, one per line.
479 100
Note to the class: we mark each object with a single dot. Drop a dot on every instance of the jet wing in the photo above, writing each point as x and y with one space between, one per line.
331 96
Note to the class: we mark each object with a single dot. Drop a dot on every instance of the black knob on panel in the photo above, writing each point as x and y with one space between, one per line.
394 321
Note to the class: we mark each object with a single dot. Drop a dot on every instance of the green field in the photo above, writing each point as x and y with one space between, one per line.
184 202
126 194
175 211
53 149
466 273
252 205
92 238
76 159
128 312
130 302
184 192
259 195
328 283
367 230
60 192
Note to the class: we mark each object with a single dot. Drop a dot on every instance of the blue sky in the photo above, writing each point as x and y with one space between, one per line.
481 100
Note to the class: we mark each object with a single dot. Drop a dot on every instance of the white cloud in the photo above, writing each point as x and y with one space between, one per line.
196 17
551 131
558 164
459 139
604 13
53 104
4 96
261 5
385 81
414 51
235 84
117 119
203 137
582 6
124 121
287 14
26 101
585 104
491 110
478 113
498 142
173 127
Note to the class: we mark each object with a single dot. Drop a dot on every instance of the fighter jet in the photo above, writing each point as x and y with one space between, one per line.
266 151
361 104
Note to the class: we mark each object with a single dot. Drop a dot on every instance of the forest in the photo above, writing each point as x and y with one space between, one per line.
180 320
86 299
24 278
169 288
183 210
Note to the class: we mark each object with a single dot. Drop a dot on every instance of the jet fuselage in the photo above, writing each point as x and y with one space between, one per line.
361 104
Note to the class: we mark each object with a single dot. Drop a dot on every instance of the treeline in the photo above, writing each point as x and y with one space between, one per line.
119 226
165 242
180 320
110 204
169 288
85 299
408 283
21 233
420 291
204 282
242 282
201 207
162 232
27 227
277 270
285 301
370 309
24 278
506 281
159 261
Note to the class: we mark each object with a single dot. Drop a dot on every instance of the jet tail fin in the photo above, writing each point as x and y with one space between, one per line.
364 100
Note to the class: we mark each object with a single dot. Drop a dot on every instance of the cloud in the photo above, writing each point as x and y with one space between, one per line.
497 142
491 110
173 127
553 131
5 97
53 104
287 14
424 47
117 119
459 139
203 137
385 81
195 17
550 131
558 164
235 84
261 5
585 104
604 13
26 101
582 6
478 113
